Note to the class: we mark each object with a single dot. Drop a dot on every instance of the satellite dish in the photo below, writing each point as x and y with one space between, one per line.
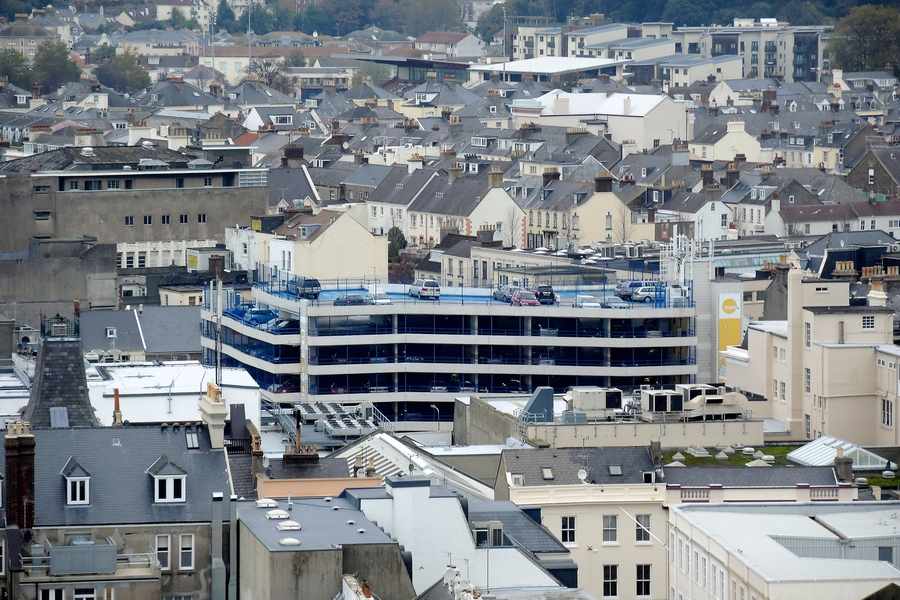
582 475
315 34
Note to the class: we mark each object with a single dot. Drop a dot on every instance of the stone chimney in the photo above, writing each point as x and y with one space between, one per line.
213 413
455 173
495 178
19 493
117 411
843 466
877 295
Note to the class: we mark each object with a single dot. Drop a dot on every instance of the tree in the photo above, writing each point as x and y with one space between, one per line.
14 67
272 74
225 18
123 73
102 54
867 39
52 66
396 242
490 23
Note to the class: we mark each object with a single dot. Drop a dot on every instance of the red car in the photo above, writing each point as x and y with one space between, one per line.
524 298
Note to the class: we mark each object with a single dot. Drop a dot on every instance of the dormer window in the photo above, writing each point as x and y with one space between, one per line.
169 489
78 483
169 481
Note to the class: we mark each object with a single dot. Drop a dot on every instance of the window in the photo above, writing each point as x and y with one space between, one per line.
702 581
868 322
93 184
642 581
129 220
129 261
685 557
162 552
886 553
84 594
807 334
186 552
179 182
724 220
610 581
182 219
568 530
871 177
51 594
166 219
201 217
696 565
496 537
517 479
170 489
887 412
73 184
148 219
642 528
610 529
112 184
207 181
129 183
142 260
781 388
77 490
807 380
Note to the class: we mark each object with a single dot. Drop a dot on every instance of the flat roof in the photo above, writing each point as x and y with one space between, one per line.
325 525
552 65
778 328
784 543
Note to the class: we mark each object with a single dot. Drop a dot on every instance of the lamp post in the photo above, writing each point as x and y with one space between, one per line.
437 417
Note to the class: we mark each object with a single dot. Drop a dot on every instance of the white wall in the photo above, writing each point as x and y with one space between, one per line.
436 531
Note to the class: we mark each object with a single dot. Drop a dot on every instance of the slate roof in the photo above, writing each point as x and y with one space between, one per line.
121 490
59 381
157 329
71 159
290 184
368 176
516 525
751 477
250 92
459 197
441 37
634 461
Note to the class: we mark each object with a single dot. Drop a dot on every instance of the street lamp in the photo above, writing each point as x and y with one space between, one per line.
437 417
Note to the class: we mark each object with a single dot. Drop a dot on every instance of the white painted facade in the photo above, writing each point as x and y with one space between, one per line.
417 520
138 255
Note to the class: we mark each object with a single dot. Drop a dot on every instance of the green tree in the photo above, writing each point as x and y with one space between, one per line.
102 54
15 68
123 73
867 39
396 242
52 66
490 24
225 18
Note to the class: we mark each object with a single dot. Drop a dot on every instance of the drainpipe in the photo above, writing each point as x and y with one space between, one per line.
217 586
233 547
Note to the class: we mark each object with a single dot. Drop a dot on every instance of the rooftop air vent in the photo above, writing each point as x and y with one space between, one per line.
266 503
277 513
288 526
351 522
87 151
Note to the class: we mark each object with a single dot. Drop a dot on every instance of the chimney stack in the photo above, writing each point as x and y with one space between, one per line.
213 413
117 411
455 173
877 296
706 174
20 446
603 183
217 571
843 467
495 178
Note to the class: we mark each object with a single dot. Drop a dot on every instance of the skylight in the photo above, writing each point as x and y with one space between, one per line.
190 438
615 469
288 526
547 473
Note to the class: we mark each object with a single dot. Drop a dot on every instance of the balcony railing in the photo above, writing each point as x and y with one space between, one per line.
695 494
504 360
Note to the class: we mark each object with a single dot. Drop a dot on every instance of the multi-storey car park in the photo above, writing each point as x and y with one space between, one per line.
411 358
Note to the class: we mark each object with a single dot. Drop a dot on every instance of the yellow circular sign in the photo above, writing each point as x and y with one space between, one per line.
729 306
